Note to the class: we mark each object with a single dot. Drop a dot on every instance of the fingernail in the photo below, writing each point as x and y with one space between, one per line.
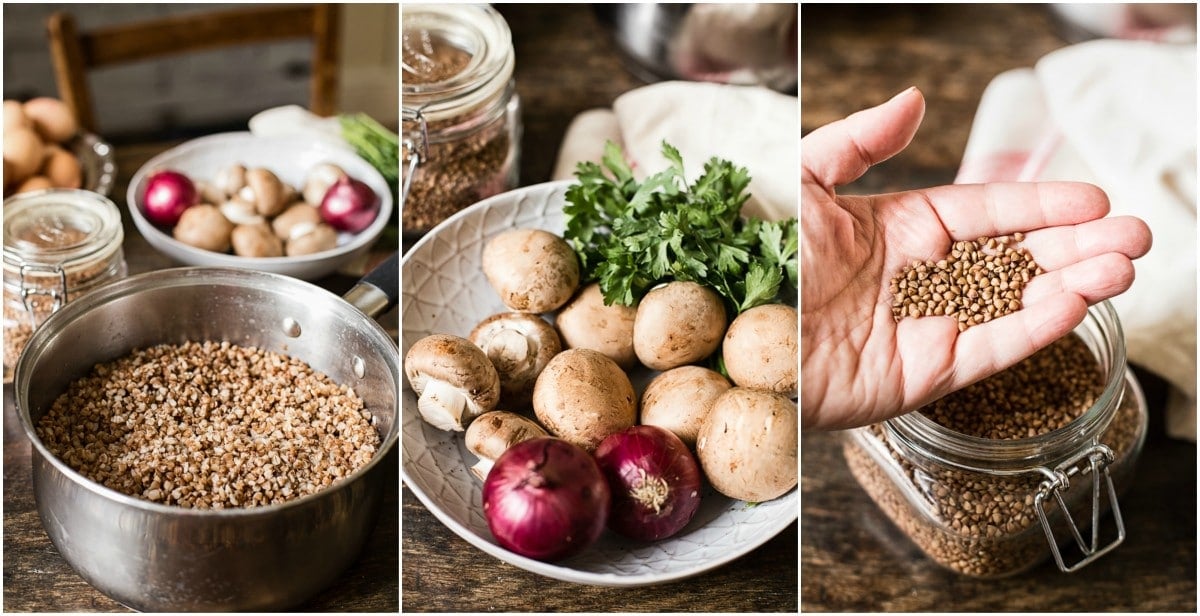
910 90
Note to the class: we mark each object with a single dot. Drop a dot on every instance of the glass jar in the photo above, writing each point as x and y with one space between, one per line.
460 111
58 245
991 507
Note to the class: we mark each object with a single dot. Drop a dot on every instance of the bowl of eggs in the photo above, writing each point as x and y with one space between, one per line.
282 204
45 148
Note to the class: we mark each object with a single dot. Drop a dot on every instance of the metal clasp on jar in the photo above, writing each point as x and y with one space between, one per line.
1095 461
58 296
418 149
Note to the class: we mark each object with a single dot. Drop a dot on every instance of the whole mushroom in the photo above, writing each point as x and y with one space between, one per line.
298 219
532 270
583 396
320 238
265 190
678 323
454 380
230 180
519 345
761 350
255 240
492 433
203 226
319 179
586 323
680 399
747 445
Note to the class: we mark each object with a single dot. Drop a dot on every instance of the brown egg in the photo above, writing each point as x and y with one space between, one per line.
14 115
37 182
62 168
24 151
51 119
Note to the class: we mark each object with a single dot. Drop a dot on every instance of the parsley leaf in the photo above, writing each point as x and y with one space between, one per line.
631 236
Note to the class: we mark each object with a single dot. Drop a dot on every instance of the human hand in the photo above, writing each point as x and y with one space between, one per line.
858 365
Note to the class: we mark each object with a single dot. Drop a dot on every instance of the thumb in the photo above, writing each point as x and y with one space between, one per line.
840 152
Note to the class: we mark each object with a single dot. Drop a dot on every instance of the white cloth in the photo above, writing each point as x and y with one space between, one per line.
1121 115
753 127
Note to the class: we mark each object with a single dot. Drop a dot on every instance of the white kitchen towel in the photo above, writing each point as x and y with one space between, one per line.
1121 115
754 127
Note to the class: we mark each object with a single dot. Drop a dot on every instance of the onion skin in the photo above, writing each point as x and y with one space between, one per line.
545 499
654 479
167 195
349 205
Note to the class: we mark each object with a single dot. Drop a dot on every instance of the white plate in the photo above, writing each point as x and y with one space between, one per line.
445 292
290 158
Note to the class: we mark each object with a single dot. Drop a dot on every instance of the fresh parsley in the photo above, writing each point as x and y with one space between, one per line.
631 236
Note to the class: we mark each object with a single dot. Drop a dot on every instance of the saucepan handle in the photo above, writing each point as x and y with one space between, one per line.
379 290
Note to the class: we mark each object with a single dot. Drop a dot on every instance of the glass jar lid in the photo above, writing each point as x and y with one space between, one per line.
64 228
455 58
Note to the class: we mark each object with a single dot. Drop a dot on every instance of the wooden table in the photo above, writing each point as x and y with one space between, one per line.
566 65
37 578
852 558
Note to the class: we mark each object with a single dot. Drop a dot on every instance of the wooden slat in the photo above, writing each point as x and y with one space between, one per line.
74 53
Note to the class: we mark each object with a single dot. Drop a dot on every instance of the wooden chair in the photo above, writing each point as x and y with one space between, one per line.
74 53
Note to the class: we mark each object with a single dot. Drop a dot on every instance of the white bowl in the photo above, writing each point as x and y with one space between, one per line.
288 157
445 291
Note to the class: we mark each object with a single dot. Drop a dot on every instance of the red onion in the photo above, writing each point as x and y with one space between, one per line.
654 479
167 195
546 499
349 205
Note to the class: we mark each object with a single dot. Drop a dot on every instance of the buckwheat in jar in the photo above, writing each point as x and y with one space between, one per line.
460 111
58 245
979 480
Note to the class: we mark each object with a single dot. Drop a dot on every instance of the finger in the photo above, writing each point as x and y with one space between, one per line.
1057 247
1095 279
968 211
840 152
986 349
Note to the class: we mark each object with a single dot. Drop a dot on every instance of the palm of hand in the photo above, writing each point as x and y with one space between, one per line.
860 366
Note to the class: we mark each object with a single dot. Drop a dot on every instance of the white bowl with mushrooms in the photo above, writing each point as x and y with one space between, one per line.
447 291
250 190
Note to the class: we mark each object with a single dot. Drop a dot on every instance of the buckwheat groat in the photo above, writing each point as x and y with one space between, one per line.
210 425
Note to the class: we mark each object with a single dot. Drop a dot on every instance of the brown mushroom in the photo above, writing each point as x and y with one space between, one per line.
320 178
297 220
204 227
454 380
519 345
321 238
492 433
230 180
532 270
256 240
586 323
265 190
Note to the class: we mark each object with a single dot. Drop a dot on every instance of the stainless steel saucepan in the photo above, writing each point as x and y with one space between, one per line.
155 557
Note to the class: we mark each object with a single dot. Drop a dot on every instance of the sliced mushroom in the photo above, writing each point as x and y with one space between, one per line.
256 240
519 346
492 433
454 380
204 227
319 239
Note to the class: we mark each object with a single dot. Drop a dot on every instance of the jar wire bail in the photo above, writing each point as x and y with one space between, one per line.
58 296
1098 457
417 152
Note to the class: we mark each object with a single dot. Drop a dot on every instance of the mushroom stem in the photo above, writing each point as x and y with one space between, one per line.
442 405
510 350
